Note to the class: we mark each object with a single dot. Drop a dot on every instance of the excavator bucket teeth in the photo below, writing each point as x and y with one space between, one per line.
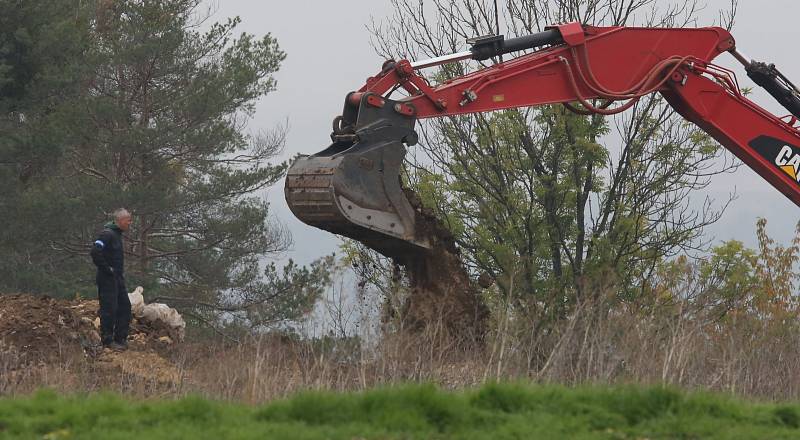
355 191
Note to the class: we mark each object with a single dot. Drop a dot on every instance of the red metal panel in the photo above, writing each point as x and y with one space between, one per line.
618 57
738 123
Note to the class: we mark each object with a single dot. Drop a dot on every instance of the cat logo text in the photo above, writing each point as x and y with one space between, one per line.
789 161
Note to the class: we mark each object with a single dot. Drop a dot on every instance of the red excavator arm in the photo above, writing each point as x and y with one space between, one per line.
353 188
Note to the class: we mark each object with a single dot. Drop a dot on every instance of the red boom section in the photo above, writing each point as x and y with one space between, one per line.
767 144
616 64
611 59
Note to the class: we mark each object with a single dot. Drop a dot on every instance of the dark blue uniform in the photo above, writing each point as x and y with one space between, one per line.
115 307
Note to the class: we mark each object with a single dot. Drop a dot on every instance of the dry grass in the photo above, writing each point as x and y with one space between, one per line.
677 347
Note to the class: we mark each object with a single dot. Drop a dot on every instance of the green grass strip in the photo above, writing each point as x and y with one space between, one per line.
500 411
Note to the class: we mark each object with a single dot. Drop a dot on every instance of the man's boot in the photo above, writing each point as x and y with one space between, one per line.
116 346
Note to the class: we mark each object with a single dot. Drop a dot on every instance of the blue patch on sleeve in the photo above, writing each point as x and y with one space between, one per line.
99 244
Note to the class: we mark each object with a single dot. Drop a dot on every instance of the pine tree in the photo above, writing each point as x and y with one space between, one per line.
160 127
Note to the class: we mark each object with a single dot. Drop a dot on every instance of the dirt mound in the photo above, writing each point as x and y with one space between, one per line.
143 365
42 330
441 289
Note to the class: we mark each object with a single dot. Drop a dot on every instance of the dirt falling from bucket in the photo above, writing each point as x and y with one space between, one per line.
442 295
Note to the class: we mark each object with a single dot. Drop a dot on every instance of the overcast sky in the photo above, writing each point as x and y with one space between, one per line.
329 55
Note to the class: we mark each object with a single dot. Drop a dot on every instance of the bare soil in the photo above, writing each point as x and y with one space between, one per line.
42 331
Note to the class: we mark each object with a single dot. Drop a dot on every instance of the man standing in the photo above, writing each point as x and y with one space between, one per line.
109 257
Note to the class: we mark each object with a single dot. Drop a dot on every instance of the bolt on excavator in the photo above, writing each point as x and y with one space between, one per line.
353 188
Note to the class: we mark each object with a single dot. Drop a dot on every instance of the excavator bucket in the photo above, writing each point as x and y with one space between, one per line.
353 188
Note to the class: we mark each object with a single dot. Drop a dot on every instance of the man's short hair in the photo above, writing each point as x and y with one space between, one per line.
120 213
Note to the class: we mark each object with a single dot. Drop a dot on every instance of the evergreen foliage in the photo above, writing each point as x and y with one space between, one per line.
145 105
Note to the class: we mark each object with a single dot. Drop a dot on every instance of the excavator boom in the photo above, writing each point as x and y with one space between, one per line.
353 188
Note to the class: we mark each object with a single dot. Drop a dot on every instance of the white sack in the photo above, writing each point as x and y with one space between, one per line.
137 301
156 312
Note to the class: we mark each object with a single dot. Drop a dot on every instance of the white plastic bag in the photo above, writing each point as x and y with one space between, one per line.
156 312
137 301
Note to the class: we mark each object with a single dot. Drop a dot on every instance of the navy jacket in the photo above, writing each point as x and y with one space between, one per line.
107 252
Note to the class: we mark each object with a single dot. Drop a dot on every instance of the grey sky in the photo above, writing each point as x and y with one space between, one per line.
329 55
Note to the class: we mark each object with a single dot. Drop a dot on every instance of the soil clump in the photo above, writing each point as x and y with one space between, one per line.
442 292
